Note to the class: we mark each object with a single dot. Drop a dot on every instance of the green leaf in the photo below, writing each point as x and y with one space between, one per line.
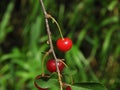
47 81
43 83
88 86
79 88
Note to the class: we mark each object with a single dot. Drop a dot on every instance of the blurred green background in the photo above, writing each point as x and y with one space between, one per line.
93 25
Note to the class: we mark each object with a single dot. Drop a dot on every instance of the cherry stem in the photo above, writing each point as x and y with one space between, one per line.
49 16
43 60
51 44
63 63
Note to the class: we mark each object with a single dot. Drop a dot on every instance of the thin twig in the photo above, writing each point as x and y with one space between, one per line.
51 44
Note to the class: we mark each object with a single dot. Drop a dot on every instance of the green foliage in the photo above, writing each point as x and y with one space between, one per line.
51 83
93 25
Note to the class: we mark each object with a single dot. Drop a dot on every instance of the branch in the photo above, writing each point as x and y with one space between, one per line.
51 43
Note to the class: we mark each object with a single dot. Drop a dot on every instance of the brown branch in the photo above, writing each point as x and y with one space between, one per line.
51 43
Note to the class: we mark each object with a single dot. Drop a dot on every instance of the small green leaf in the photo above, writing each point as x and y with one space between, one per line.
47 81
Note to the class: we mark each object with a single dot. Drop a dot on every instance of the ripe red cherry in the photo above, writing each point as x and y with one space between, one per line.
64 44
68 88
51 65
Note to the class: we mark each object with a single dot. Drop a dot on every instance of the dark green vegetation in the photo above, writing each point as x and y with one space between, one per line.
93 25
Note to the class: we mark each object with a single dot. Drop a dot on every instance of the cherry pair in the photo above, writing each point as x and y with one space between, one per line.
63 44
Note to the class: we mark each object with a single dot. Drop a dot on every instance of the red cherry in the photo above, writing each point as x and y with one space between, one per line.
51 65
64 44
68 88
